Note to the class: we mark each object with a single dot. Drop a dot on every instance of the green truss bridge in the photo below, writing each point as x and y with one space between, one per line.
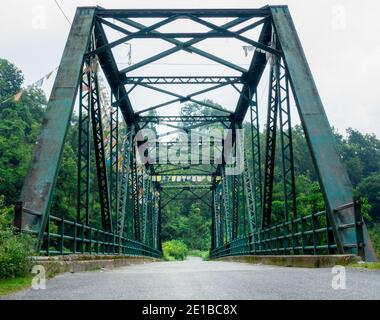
132 194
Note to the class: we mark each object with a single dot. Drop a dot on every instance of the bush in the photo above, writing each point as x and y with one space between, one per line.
15 250
174 250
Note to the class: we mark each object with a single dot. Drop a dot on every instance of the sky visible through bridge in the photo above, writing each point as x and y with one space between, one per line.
326 28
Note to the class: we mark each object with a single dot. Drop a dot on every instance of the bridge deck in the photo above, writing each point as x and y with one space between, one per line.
196 279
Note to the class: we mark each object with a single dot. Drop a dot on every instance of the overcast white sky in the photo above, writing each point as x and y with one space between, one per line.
340 38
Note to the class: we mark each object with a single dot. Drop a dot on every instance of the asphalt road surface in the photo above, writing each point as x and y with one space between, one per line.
197 279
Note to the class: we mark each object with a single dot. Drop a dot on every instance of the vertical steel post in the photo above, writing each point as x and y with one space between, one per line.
227 204
288 176
114 157
135 197
83 161
249 193
145 204
256 156
100 155
273 101
124 181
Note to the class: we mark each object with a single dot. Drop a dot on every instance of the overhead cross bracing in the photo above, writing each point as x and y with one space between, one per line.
171 99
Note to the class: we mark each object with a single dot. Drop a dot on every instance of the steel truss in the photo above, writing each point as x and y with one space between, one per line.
130 194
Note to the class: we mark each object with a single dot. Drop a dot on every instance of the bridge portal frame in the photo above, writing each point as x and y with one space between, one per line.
278 39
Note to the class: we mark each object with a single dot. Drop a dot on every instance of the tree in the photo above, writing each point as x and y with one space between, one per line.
370 189
19 126
360 153
11 79
197 233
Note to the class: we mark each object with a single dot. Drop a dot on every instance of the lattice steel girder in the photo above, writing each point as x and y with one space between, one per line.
256 154
114 159
135 189
270 149
156 215
333 177
187 187
100 155
217 214
125 180
183 80
145 207
235 205
159 119
251 205
83 152
227 205
37 189
287 147
213 222
164 13
183 175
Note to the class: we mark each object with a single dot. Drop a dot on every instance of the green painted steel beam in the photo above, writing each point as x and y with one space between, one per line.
183 80
253 76
38 186
333 177
158 119
164 13
187 187
186 35
183 175
109 67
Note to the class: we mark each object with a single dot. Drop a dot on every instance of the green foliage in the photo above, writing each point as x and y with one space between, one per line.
199 253
197 232
374 233
192 227
8 286
19 126
184 219
174 250
15 249
370 189
11 79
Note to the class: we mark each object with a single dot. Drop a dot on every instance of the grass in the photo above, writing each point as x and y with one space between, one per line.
8 286
367 265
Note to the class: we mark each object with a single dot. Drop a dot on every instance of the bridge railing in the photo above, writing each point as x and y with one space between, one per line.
76 238
306 235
